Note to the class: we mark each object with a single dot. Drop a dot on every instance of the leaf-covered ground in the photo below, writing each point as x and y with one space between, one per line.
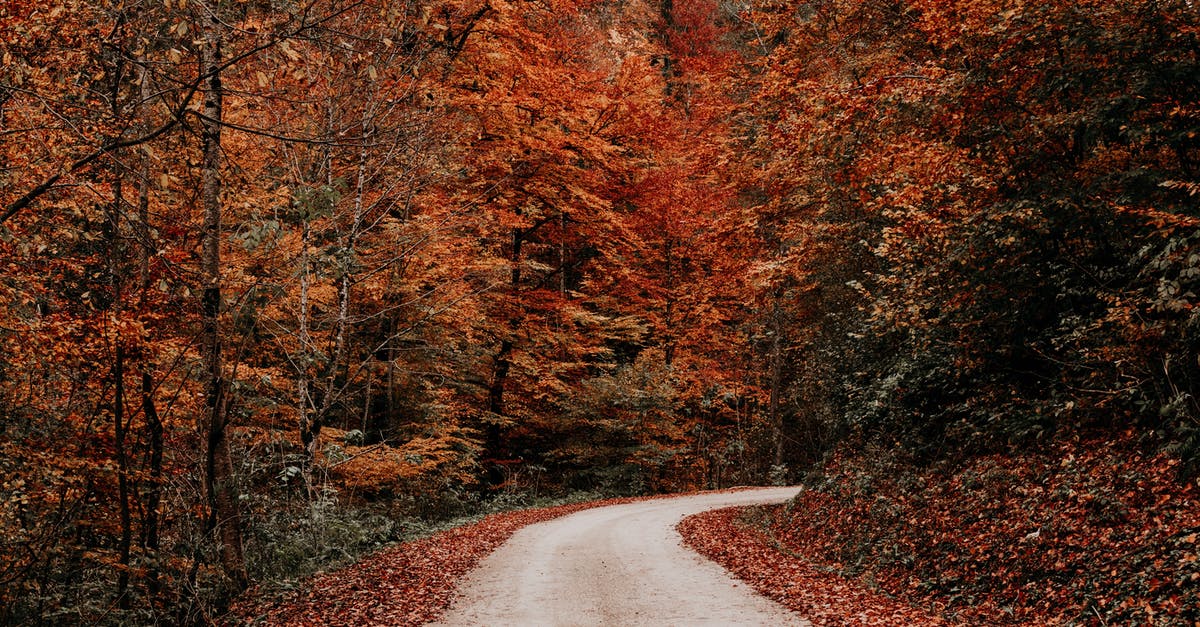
1091 532
827 599
408 584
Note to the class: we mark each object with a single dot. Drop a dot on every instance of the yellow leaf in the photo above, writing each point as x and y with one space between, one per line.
287 50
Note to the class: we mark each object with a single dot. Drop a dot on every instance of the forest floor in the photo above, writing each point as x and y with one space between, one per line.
1084 531
731 538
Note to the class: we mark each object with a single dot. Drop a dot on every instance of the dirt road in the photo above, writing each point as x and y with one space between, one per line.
616 565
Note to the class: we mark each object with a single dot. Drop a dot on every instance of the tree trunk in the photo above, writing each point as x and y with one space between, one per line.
306 407
224 517
502 362
669 339
154 427
153 497
117 375
773 412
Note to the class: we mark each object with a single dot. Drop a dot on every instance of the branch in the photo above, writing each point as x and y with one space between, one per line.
913 77
46 185
365 451
176 117
352 142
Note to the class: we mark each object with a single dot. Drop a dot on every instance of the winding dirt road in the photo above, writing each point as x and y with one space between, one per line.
616 565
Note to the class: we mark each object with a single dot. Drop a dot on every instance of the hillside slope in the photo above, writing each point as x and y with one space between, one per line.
1088 531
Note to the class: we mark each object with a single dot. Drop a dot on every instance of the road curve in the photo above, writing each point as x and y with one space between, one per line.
615 565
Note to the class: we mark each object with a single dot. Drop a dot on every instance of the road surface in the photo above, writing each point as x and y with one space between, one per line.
617 565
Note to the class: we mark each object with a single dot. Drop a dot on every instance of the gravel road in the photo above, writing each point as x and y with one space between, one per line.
616 565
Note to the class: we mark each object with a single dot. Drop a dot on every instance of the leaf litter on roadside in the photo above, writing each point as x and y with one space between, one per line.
408 584
825 598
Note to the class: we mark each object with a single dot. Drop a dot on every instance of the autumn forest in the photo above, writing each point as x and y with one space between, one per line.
284 281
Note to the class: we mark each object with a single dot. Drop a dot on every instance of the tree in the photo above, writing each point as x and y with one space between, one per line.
980 202
224 514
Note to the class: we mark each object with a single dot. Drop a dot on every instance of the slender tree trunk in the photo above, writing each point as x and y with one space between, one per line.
307 387
225 519
117 374
154 427
304 399
773 412
669 308
153 497
328 392
126 541
392 406
116 282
